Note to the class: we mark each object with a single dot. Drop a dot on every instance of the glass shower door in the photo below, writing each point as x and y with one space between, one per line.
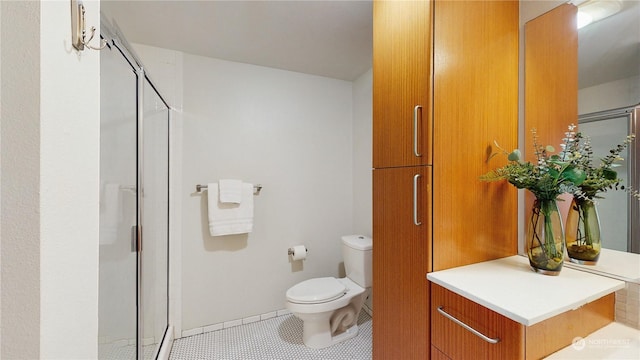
605 131
155 243
134 207
118 208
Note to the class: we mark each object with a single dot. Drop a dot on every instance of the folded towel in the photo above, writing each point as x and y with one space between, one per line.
230 218
109 214
230 191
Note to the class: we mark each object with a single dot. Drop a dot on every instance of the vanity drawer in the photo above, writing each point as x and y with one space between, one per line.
551 335
454 320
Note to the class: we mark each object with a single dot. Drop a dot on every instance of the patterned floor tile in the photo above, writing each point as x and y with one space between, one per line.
279 338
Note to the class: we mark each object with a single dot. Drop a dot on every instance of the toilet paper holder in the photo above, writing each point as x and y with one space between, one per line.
290 251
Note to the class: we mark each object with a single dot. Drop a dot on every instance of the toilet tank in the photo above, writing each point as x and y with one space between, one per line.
357 254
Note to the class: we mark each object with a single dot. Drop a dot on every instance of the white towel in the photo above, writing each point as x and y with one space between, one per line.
109 214
229 218
230 191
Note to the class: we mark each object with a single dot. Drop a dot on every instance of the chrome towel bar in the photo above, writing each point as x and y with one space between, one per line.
256 188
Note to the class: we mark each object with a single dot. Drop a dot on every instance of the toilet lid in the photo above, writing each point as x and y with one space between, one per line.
316 290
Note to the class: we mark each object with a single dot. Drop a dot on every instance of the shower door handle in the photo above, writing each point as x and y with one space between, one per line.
415 200
134 238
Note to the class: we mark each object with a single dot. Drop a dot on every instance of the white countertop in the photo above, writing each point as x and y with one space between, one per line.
617 264
614 341
509 287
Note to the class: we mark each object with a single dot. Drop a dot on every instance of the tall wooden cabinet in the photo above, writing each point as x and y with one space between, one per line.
445 86
402 176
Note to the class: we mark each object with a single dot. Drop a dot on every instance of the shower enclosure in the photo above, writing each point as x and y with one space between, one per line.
618 212
134 206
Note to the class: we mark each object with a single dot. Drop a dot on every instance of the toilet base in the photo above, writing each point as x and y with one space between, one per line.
328 323
317 334
348 334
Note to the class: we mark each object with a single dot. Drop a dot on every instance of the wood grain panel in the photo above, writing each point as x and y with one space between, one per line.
475 103
551 335
438 355
551 81
458 343
401 252
401 80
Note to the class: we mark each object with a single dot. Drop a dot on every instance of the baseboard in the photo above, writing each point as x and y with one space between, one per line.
233 323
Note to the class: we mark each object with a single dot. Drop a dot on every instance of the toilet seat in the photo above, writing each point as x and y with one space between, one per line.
316 290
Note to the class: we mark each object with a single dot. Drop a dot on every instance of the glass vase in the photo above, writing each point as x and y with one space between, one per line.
583 232
545 238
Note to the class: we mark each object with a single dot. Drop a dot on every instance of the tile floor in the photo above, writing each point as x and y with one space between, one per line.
279 338
123 352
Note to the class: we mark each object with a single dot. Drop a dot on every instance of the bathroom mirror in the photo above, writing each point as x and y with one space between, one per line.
608 94
608 76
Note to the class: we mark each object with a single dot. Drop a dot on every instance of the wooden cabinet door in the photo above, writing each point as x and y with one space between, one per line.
401 83
401 260
475 103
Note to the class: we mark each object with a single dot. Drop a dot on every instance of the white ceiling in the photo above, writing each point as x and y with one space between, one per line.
326 38
609 49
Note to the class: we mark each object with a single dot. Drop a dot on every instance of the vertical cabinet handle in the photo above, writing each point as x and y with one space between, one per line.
415 130
415 200
467 327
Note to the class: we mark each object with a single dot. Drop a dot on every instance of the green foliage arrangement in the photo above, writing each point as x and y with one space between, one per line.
573 170
550 176
601 177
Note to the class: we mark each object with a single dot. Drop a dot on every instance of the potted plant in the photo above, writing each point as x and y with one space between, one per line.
551 175
583 239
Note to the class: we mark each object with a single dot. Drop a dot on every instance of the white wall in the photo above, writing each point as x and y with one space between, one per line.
611 95
50 119
288 131
291 132
20 185
69 183
362 154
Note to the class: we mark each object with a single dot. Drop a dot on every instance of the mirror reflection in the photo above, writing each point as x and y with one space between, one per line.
608 96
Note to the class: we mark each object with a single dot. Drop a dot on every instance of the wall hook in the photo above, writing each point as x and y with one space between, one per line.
78 32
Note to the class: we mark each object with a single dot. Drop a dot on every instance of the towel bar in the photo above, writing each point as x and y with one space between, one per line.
131 188
256 188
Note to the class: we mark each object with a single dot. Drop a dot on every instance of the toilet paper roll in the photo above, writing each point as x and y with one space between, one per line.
299 252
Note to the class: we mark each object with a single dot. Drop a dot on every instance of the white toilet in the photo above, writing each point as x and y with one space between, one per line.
329 307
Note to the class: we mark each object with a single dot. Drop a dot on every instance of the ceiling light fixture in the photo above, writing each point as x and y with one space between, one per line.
594 10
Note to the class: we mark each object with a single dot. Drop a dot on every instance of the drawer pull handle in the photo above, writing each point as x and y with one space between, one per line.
415 131
415 201
472 330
